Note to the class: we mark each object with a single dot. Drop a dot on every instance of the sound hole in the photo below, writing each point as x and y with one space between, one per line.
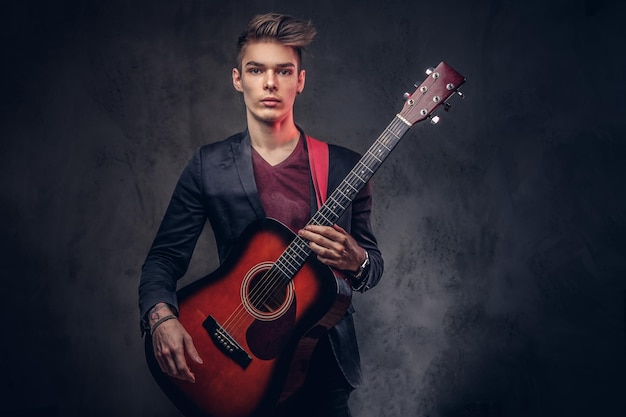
265 295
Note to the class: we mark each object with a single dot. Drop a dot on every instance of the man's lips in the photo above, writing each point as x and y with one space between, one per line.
270 100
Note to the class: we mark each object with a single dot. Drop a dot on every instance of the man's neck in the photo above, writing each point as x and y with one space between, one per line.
274 141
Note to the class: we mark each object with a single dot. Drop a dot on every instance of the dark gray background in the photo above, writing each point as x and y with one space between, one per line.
503 227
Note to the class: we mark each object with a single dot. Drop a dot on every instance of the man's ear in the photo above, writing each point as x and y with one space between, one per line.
237 80
301 80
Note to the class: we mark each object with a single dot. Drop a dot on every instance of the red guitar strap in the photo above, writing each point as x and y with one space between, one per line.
318 161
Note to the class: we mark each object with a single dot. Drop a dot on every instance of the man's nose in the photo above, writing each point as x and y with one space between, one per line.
270 80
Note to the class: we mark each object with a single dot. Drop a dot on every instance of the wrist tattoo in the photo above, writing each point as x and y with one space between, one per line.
156 312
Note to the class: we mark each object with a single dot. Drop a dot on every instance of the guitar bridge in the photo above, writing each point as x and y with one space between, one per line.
226 343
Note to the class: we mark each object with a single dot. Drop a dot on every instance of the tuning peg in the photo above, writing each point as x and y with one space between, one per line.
447 106
460 93
434 120
406 96
429 70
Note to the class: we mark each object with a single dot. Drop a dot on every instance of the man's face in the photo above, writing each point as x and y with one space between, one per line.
269 80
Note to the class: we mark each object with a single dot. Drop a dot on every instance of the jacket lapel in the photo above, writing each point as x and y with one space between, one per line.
242 156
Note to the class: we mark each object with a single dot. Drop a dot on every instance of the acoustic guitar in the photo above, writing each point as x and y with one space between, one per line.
256 320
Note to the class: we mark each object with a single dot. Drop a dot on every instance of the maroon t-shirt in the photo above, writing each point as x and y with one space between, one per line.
284 188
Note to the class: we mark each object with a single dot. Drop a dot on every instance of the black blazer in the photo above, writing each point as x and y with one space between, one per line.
218 184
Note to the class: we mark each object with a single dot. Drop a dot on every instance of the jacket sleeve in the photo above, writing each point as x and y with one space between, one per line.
168 258
361 230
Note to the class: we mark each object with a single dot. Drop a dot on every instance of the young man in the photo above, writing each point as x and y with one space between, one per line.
263 172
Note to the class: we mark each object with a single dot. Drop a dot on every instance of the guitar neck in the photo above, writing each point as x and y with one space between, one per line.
339 201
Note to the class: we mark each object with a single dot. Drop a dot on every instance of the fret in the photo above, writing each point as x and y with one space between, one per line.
341 192
381 143
331 209
334 207
301 257
325 218
329 214
290 257
360 178
284 266
365 166
353 189
389 130
336 202
370 152
301 247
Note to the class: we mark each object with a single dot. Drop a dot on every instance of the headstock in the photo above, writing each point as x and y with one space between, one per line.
433 92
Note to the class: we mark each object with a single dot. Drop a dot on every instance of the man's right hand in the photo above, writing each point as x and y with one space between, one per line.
171 341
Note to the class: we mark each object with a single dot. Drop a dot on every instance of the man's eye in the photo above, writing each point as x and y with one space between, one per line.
285 72
254 71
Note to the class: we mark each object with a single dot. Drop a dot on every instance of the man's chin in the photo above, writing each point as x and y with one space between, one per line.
270 117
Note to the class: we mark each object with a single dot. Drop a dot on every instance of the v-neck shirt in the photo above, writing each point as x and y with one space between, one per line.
284 188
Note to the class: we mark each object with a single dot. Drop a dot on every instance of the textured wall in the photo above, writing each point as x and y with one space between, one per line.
503 227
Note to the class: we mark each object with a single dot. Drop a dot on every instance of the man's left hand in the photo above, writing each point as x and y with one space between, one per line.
334 247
